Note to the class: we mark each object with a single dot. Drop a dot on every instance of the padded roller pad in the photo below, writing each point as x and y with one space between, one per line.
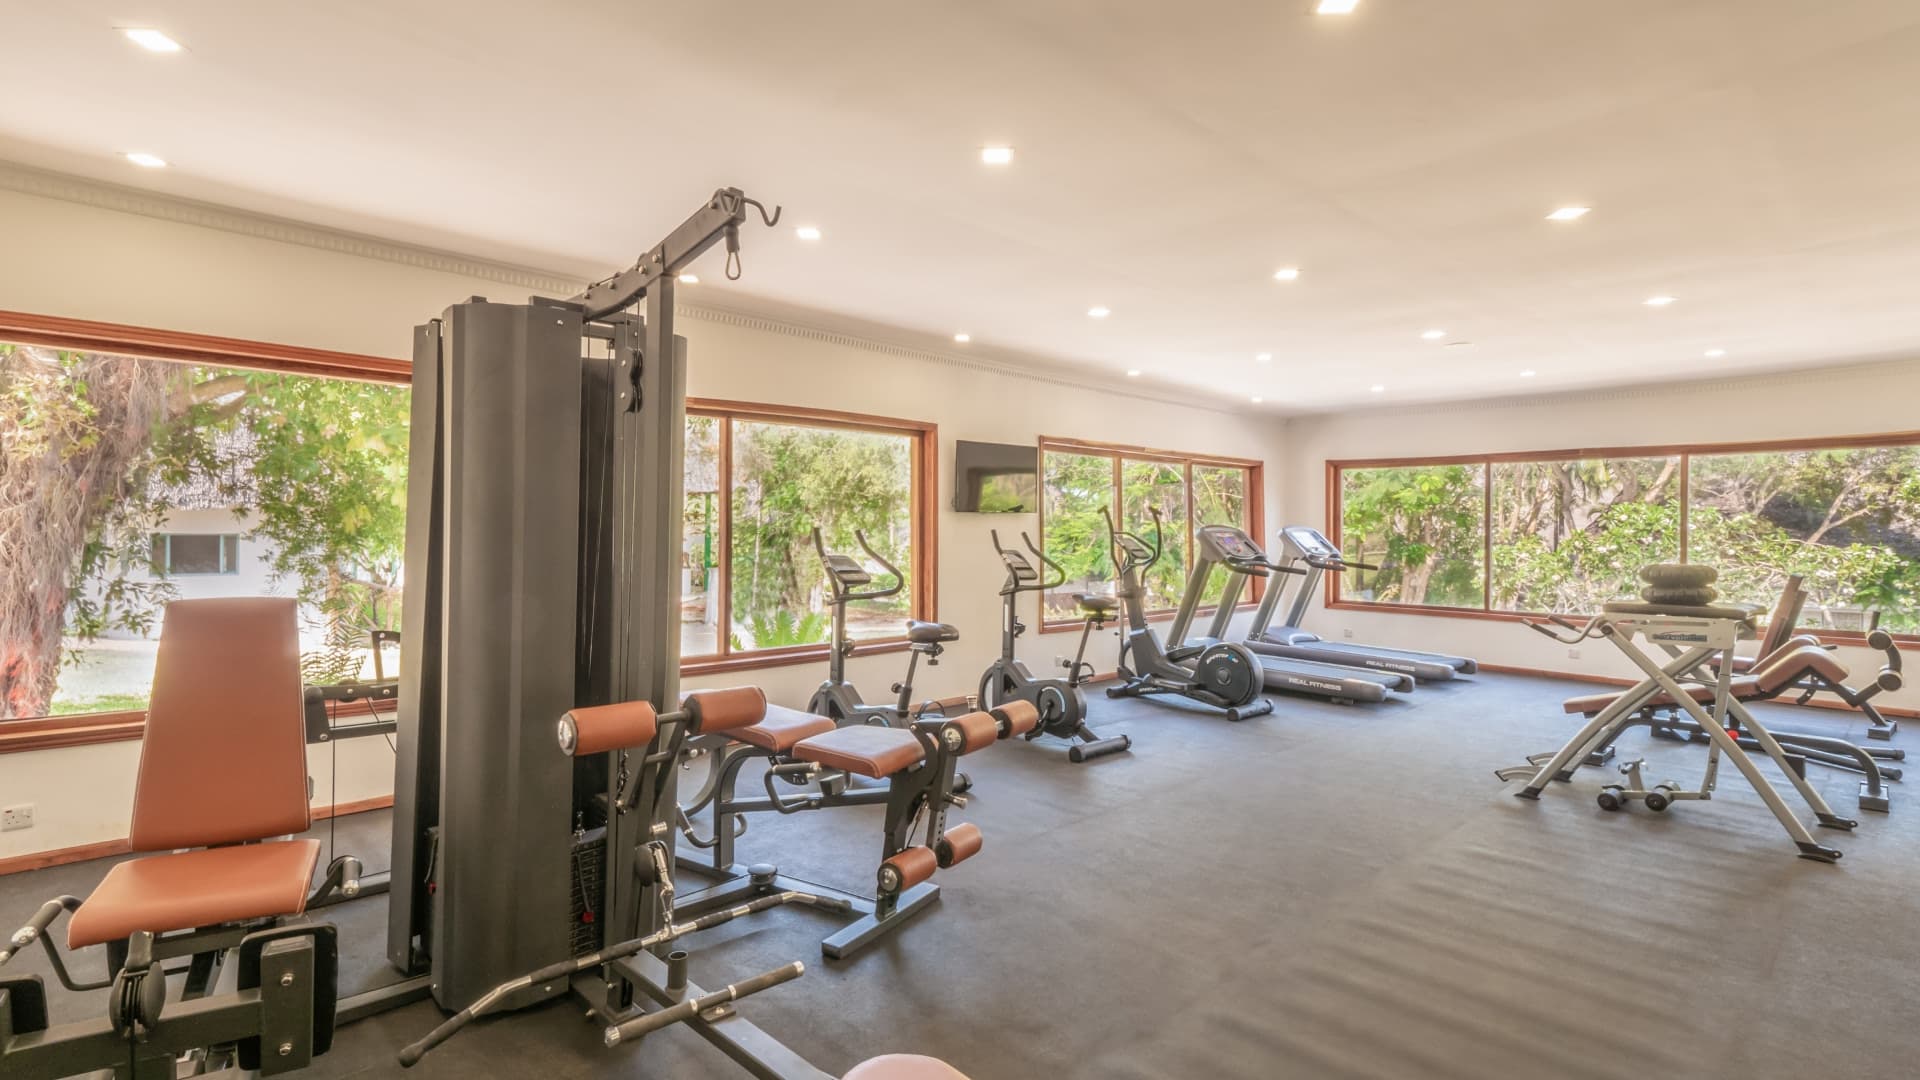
598 729
868 751
1679 594
980 730
958 844
1683 575
782 728
1019 717
904 1067
914 865
725 710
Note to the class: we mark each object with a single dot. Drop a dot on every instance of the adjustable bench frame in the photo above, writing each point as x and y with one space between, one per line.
1693 642
923 789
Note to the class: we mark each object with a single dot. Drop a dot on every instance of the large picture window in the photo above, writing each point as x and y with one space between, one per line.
127 481
1562 534
1080 481
758 480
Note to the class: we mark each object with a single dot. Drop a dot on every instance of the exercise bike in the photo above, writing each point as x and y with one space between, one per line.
1224 674
836 698
1063 709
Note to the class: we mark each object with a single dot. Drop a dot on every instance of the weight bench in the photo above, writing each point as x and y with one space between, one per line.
222 781
916 766
1783 634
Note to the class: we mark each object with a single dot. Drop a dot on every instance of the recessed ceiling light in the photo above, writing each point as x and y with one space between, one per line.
1377 388
1434 335
1264 358
1570 213
151 40
1714 354
807 232
1528 374
963 338
1256 400
1098 313
1336 7
996 155
1287 273
147 161
1133 373
1660 301
689 279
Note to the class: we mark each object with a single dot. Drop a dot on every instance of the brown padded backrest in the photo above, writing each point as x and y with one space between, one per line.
1795 664
1785 617
225 754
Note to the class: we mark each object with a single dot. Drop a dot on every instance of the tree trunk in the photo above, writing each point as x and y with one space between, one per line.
70 437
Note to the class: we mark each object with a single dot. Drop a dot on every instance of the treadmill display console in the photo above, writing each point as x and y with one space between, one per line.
1234 546
1310 542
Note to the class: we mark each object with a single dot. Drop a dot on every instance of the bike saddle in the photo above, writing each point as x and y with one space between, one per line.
930 633
1096 603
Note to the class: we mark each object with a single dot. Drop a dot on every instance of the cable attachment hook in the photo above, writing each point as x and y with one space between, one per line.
733 235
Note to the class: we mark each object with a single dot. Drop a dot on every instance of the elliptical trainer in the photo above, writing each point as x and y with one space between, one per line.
1063 709
1223 674
836 698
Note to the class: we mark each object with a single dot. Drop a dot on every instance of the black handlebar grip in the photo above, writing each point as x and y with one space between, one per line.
37 925
411 1053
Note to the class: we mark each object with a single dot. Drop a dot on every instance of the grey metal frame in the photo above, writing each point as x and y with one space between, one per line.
836 698
1694 643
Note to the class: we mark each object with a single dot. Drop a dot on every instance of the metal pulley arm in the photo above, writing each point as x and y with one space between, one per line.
719 220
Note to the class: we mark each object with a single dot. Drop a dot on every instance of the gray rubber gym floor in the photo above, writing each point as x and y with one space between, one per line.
1324 892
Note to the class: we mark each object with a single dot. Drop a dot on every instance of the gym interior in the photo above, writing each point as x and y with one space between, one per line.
1314 538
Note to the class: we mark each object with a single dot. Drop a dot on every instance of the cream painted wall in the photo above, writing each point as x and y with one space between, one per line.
1860 399
93 262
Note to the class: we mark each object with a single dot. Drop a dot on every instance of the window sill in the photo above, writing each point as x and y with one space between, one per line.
1905 642
57 732
788 657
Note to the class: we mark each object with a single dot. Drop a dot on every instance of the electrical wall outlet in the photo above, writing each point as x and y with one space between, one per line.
1573 654
16 817
1347 633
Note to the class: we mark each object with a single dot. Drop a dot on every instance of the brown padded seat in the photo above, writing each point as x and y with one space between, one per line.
904 1067
197 888
223 761
781 728
867 750
930 633
1744 687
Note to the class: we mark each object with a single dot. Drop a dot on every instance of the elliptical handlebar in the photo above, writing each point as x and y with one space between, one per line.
1579 631
1039 584
846 595
1114 532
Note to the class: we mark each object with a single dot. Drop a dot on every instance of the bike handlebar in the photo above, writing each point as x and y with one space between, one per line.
899 579
1040 583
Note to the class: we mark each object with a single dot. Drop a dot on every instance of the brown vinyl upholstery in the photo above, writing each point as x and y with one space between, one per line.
601 729
1780 672
223 762
225 753
726 709
197 888
904 1067
781 728
868 751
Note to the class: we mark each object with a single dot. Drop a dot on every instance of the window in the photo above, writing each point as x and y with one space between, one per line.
1080 481
1424 526
1570 535
758 480
175 554
1563 533
222 481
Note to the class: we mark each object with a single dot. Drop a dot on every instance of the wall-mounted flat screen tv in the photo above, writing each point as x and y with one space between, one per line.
995 478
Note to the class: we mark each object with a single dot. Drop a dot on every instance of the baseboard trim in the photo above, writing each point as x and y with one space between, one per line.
107 849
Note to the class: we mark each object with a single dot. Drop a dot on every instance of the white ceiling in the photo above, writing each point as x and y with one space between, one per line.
1755 158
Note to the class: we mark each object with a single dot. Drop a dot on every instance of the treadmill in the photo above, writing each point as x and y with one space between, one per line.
1224 545
1300 544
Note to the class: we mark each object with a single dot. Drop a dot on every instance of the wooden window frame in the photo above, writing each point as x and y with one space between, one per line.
1686 452
923 561
1123 453
82 335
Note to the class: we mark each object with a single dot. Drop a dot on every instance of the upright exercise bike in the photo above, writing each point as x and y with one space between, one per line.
1063 709
836 698
1223 674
